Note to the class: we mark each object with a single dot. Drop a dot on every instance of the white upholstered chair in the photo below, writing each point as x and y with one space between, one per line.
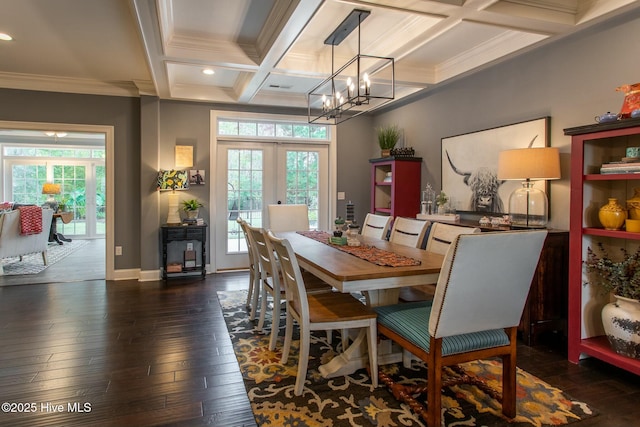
408 232
322 311
288 217
376 225
475 313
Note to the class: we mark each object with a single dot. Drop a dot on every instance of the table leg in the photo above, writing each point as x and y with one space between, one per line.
355 356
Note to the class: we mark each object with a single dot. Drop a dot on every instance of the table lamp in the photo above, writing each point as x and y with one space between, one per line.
528 206
50 189
173 180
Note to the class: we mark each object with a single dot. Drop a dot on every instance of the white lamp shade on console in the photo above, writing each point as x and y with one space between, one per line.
529 206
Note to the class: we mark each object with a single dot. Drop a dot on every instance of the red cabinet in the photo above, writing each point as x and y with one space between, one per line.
395 186
591 146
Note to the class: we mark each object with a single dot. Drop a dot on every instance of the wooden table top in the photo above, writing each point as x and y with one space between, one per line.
350 273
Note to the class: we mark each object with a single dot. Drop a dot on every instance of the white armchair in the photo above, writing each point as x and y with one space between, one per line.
12 243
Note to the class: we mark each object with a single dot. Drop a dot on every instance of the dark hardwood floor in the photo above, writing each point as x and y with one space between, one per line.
155 353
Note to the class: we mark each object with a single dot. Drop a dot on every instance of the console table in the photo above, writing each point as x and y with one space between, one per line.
176 241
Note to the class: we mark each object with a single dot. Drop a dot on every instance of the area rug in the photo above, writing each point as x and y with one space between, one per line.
352 401
33 264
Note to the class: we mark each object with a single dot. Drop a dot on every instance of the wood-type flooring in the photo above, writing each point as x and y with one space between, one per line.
154 353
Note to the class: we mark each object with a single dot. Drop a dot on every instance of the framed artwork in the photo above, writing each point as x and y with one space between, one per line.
470 163
196 177
184 156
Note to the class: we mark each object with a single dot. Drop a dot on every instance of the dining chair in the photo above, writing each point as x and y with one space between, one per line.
376 225
439 239
408 232
319 311
254 270
288 217
271 283
441 235
475 313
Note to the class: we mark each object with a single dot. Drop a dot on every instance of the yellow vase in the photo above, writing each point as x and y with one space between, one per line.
612 215
633 204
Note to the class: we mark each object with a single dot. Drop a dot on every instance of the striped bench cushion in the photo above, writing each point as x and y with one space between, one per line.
411 320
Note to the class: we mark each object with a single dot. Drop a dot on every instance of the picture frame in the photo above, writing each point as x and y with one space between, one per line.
197 177
470 163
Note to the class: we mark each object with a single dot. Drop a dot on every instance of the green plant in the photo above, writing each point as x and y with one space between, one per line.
620 277
388 136
191 205
442 199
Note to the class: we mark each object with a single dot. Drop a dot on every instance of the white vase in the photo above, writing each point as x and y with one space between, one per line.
621 321
192 214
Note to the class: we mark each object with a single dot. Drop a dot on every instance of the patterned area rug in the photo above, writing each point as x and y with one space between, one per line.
33 264
352 401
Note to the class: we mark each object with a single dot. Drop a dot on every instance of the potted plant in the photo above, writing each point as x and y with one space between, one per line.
388 137
621 318
191 207
441 201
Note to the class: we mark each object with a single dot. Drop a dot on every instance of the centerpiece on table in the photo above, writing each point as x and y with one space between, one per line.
621 318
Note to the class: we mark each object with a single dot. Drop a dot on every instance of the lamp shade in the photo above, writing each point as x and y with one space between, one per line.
172 180
529 163
50 188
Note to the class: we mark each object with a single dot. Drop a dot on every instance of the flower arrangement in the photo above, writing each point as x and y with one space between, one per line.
442 199
620 277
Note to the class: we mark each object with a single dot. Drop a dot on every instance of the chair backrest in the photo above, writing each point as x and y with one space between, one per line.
484 281
288 217
441 235
376 225
291 276
251 247
408 232
269 270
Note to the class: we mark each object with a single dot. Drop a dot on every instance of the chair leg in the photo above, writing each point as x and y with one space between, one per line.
263 308
44 258
303 361
256 296
434 384
508 386
275 324
372 341
288 333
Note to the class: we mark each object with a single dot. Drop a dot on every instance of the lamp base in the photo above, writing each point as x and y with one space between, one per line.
528 207
173 218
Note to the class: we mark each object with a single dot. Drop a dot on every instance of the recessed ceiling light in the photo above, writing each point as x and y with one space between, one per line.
208 71
6 37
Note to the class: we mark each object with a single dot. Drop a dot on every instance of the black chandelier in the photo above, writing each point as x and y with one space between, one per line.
365 82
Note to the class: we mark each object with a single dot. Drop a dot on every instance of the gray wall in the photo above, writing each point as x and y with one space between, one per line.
121 113
571 81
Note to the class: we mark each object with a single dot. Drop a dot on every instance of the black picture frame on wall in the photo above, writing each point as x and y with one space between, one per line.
470 162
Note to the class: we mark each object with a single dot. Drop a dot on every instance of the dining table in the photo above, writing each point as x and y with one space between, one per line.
378 282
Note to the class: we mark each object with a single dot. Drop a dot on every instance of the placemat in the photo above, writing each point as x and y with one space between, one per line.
366 252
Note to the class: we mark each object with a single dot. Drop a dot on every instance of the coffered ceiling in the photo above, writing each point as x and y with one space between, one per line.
266 52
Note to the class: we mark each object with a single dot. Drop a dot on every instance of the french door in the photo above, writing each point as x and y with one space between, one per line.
252 175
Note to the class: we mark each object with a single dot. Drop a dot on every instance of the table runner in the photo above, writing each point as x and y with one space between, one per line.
366 252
